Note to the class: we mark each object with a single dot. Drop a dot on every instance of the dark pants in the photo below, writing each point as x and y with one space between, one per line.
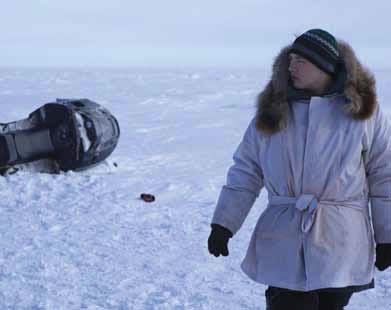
283 299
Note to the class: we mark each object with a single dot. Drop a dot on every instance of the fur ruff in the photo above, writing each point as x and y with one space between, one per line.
272 102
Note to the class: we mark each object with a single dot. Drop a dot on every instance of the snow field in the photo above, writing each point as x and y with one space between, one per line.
86 241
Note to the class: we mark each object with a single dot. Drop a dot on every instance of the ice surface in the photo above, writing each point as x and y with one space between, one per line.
86 241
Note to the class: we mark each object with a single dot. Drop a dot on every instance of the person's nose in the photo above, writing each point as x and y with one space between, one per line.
292 67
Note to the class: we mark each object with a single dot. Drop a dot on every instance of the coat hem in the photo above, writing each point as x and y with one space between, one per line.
354 287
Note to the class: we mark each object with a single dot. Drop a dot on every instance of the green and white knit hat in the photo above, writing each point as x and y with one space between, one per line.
319 47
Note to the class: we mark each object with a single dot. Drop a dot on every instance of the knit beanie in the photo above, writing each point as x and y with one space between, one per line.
319 47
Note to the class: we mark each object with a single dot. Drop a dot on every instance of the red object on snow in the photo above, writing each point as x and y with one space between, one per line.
147 197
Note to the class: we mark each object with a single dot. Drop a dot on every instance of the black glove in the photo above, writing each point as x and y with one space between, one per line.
383 256
218 240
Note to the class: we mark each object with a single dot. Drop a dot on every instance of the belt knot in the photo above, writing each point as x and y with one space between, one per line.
309 204
306 203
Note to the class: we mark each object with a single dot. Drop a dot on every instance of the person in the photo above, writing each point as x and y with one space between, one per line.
321 146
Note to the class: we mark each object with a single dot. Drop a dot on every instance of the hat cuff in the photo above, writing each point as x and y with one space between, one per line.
313 58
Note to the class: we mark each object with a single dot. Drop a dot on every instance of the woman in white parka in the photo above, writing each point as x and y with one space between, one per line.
321 146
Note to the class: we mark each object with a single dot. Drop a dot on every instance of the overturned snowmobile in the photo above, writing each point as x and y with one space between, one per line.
69 134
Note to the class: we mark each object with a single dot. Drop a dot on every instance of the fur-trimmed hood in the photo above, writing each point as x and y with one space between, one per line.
359 90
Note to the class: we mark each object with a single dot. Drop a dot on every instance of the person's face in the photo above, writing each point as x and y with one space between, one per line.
305 75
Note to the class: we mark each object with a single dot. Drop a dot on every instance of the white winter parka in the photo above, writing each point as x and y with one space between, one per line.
326 165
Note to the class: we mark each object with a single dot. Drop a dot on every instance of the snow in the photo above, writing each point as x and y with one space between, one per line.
86 241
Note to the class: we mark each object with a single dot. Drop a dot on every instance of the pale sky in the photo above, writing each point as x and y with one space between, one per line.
182 33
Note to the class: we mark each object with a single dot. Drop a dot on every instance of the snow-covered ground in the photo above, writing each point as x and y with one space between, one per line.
85 240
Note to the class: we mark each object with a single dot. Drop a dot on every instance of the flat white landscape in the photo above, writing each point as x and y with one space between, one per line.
86 240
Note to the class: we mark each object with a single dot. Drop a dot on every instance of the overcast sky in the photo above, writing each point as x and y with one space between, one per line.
180 33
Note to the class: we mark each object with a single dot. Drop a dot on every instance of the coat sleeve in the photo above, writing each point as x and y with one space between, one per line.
377 159
244 183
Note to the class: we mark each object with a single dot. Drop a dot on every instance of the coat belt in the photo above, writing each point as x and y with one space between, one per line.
308 204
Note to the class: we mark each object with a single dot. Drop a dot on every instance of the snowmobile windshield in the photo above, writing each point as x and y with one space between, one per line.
98 128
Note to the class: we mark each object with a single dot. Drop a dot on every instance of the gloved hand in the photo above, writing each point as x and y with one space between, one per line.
383 256
218 240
